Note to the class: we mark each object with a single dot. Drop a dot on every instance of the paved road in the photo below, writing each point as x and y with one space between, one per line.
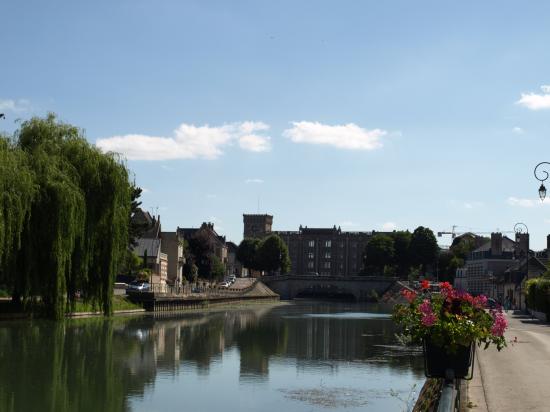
518 377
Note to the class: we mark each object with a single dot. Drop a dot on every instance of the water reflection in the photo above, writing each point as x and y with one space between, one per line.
130 364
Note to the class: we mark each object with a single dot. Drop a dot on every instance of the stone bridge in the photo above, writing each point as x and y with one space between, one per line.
361 288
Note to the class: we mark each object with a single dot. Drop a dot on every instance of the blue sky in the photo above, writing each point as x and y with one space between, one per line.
363 114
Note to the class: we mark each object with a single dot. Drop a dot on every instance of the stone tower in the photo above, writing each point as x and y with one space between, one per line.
257 226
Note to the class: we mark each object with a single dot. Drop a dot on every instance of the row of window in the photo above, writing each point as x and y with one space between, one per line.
326 265
328 255
328 243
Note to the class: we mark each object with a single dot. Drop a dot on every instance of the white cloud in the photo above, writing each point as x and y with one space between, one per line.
518 130
188 142
534 101
472 205
348 136
254 143
253 181
16 106
515 201
389 226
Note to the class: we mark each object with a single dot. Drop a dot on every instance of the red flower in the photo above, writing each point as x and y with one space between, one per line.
425 284
445 285
409 295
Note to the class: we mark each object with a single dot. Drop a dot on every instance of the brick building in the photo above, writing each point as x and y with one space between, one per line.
326 251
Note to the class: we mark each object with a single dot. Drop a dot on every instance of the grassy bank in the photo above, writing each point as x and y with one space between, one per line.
119 303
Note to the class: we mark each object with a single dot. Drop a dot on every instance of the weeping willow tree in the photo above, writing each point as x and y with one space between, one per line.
72 232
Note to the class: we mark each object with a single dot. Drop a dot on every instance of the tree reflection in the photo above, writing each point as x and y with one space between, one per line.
103 365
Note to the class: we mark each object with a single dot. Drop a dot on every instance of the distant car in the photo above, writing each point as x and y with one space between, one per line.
224 285
232 278
138 286
312 274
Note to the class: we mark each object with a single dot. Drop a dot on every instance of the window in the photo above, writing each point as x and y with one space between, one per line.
311 243
328 243
310 265
327 255
310 255
341 244
353 244
326 265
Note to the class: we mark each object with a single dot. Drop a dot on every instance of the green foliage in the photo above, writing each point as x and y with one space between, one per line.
401 245
423 248
135 228
247 251
269 254
379 252
131 264
190 271
144 275
272 255
63 216
217 269
538 294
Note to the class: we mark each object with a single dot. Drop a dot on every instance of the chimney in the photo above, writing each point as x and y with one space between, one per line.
522 244
496 244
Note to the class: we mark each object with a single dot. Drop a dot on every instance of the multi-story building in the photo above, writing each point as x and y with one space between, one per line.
234 267
172 246
326 251
499 266
217 242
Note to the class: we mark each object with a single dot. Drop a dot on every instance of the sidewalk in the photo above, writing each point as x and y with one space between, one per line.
516 378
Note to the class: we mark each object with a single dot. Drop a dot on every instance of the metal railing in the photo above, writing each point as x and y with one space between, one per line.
199 291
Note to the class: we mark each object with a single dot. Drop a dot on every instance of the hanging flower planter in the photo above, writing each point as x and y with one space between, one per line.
449 323
438 363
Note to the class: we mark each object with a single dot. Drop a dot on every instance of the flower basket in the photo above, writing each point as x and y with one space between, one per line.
448 323
439 363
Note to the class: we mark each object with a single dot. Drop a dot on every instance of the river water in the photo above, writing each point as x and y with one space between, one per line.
300 356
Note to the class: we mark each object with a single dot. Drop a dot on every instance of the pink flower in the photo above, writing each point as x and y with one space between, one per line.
429 319
500 324
425 307
480 301
428 316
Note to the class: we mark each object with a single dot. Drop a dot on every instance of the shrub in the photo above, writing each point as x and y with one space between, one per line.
538 294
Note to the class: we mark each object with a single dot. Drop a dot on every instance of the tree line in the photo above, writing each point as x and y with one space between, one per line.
410 255
64 215
269 254
399 252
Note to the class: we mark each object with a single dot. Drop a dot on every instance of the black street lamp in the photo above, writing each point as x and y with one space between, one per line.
541 177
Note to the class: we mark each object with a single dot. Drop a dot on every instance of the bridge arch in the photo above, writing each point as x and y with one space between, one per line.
362 288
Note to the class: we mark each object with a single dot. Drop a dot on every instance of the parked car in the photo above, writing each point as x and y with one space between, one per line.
224 285
232 278
312 274
138 286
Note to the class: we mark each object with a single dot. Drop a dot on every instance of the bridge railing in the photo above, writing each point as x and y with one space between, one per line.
204 291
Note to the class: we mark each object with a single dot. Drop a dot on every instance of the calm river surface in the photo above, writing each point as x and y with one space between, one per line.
304 356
